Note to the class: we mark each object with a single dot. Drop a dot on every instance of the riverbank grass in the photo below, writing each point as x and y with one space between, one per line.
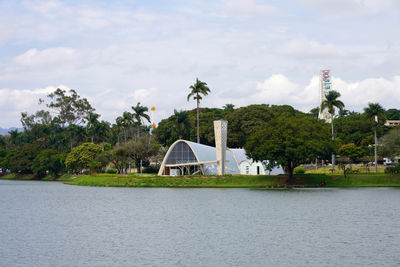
244 181
62 178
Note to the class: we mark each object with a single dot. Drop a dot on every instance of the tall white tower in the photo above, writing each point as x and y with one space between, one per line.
325 87
221 135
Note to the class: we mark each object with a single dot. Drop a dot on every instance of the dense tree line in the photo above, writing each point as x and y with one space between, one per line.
67 135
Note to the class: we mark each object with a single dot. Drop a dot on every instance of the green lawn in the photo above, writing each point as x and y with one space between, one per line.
245 181
261 181
359 167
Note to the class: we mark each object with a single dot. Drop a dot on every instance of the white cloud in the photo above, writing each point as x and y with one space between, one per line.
276 89
302 48
279 90
13 102
5 33
250 8
357 95
120 53
56 55
350 6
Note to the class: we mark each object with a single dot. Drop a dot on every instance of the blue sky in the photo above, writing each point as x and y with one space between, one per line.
117 53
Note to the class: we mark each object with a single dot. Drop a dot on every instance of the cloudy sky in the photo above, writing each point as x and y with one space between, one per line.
118 53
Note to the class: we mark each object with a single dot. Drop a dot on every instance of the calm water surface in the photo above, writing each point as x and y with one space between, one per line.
52 224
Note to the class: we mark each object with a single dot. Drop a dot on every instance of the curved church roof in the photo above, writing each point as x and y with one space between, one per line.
240 155
184 152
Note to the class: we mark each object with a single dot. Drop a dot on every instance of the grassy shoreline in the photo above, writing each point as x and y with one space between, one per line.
238 181
235 181
31 177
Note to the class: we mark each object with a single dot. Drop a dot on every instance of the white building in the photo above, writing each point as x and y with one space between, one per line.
186 158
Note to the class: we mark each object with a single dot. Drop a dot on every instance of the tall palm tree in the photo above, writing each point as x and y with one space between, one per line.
92 123
103 131
139 113
331 102
119 126
14 136
373 112
198 88
126 121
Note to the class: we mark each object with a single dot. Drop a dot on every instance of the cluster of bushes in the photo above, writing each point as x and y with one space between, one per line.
152 168
86 158
32 159
393 169
299 170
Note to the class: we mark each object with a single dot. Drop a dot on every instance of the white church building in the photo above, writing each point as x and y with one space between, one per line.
188 158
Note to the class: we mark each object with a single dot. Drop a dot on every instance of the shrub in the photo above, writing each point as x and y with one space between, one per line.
152 168
111 170
299 170
83 157
394 169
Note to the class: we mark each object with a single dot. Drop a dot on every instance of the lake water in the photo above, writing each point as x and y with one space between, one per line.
52 224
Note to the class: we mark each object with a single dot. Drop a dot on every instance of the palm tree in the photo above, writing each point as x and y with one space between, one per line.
139 113
125 121
331 101
373 112
198 88
92 123
229 107
118 126
103 130
14 136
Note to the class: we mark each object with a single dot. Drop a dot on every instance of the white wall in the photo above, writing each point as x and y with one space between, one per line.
251 168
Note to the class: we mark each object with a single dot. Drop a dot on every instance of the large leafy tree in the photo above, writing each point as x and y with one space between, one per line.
351 151
69 106
21 161
392 114
331 102
354 129
197 89
289 142
181 123
48 160
119 157
242 122
142 149
75 134
376 115
82 157
4 155
139 113
391 144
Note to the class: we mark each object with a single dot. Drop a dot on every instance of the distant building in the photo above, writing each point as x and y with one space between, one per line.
392 123
325 87
389 162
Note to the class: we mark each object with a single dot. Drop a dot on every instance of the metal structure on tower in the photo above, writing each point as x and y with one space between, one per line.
325 87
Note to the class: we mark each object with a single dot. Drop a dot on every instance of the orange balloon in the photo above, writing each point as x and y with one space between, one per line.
153 108
153 125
